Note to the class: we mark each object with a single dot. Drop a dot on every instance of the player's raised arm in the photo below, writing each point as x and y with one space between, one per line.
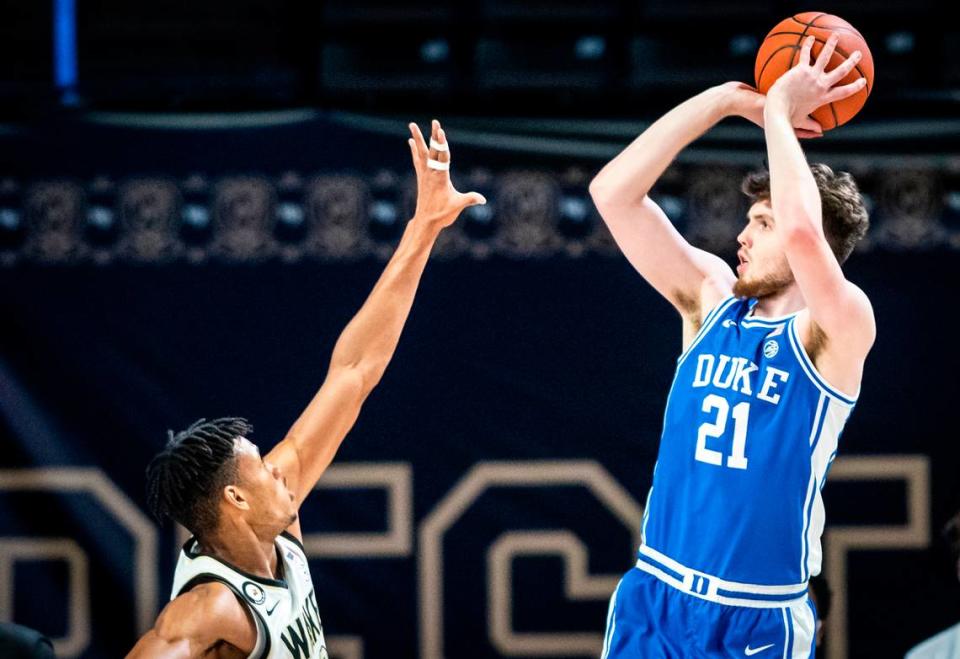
196 624
836 306
653 246
368 342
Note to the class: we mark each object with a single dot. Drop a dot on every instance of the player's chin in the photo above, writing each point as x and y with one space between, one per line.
742 287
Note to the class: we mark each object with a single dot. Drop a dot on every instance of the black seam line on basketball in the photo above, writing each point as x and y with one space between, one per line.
777 34
842 29
823 27
816 18
770 57
803 35
794 17
833 110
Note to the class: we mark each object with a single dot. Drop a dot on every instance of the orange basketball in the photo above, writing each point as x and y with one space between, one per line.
781 50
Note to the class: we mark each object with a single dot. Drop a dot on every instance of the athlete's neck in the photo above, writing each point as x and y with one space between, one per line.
785 301
239 544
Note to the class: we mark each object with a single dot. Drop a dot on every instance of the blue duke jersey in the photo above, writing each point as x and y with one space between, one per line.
750 430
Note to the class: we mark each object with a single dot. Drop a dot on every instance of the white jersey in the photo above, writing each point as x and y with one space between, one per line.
285 610
945 645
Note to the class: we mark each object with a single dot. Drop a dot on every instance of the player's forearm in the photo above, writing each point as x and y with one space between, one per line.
794 196
627 179
370 339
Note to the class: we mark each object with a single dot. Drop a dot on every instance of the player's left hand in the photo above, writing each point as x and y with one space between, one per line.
745 101
438 202
808 86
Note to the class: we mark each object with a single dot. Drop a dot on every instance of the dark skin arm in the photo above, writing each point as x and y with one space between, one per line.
368 342
207 621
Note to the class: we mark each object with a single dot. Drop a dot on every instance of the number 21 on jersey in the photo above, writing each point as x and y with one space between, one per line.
714 429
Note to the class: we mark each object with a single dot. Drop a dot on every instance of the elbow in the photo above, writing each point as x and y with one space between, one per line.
360 376
364 376
605 198
370 377
610 195
598 190
603 190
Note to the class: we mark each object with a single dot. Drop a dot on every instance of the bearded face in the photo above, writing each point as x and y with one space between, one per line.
763 269
763 285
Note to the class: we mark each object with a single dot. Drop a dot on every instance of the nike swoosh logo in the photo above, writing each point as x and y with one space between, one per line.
270 610
752 651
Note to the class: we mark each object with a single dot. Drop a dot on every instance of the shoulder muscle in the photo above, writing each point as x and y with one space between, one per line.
202 617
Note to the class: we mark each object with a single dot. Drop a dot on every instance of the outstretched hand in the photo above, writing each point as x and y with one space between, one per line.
745 101
808 86
438 202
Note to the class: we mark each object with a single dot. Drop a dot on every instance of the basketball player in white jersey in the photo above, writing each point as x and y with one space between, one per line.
770 370
242 586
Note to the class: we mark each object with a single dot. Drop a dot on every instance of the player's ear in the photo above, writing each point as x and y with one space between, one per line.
235 497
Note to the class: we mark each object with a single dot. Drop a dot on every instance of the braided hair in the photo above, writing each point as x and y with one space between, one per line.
185 479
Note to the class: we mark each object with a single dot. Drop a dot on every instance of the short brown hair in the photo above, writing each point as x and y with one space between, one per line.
845 218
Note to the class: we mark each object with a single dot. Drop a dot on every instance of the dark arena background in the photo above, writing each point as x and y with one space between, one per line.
196 197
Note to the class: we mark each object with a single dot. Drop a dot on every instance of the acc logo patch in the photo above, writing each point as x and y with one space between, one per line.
254 592
770 349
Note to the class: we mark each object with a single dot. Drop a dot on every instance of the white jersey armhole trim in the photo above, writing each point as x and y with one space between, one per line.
708 321
806 365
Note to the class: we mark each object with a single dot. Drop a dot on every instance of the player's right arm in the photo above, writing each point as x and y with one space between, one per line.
196 623
691 279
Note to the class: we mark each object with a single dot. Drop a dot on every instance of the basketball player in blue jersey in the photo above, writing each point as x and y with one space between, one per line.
770 370
242 586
